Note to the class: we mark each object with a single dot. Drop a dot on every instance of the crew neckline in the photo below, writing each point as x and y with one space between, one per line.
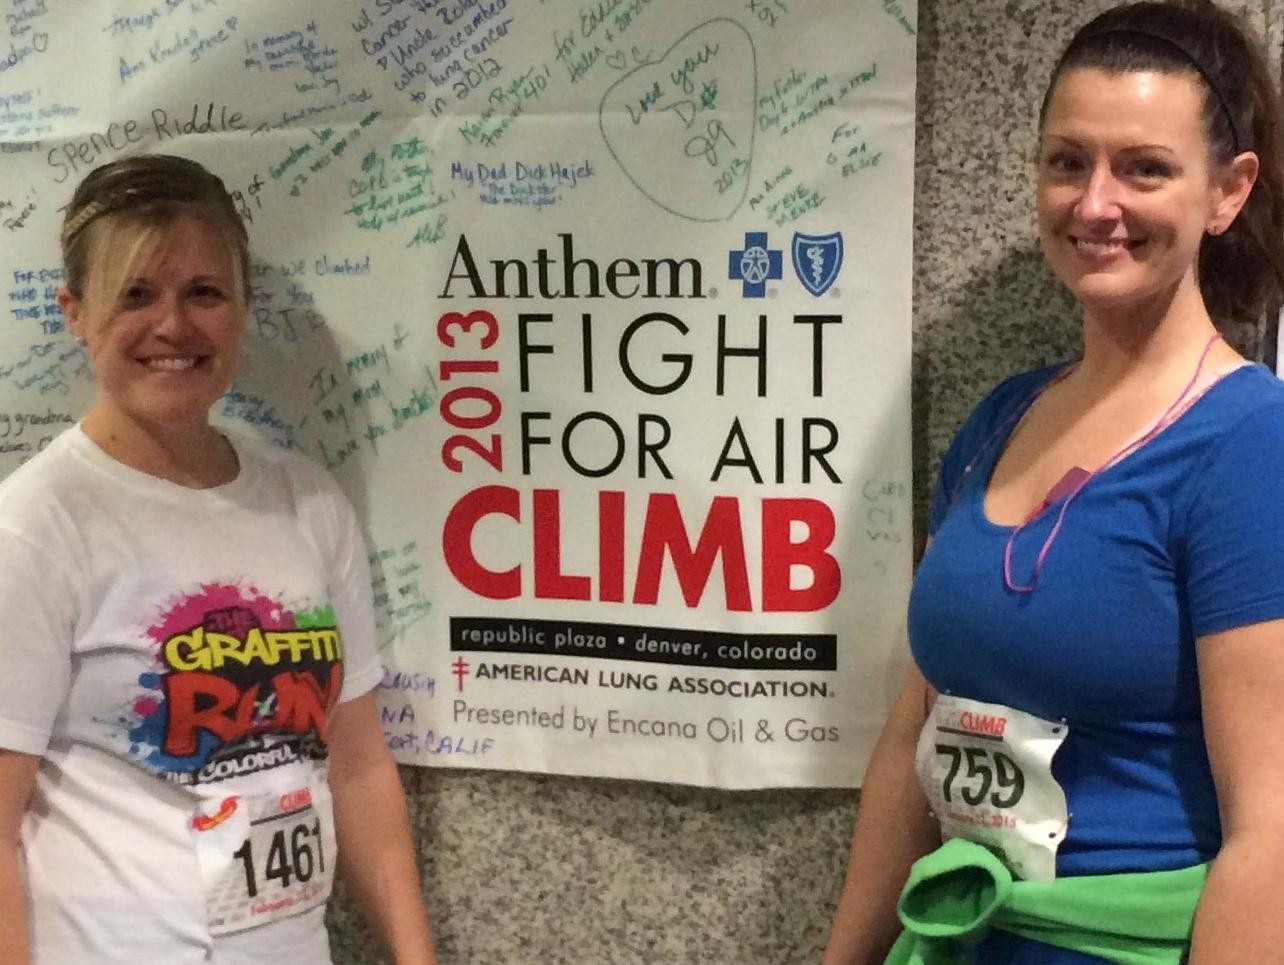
97 457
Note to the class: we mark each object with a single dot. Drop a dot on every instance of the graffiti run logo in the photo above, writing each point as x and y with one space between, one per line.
244 685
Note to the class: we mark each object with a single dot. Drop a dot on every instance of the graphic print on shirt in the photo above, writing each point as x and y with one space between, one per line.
243 684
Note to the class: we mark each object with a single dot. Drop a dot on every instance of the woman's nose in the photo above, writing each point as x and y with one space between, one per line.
173 321
1101 196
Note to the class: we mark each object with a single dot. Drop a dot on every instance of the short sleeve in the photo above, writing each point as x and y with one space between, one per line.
354 605
1234 528
331 525
37 624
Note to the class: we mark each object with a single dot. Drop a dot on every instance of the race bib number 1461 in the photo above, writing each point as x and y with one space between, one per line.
265 857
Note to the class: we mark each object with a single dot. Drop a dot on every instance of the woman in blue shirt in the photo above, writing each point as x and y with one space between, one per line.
1098 623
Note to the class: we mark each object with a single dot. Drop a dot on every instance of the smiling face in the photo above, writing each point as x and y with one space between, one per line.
1125 187
167 346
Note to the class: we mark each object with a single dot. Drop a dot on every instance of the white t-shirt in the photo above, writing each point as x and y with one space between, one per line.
166 649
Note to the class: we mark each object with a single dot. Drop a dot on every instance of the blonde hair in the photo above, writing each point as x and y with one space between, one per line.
117 247
117 220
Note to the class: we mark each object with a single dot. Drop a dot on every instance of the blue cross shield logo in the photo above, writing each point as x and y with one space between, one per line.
756 264
817 260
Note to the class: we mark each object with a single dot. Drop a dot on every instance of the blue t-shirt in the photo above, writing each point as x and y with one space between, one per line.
1183 537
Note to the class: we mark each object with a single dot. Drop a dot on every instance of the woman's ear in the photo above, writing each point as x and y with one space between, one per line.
1231 186
71 306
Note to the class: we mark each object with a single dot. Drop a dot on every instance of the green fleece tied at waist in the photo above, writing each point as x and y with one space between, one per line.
956 894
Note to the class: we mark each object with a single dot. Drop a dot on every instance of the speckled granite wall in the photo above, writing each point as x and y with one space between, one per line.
527 870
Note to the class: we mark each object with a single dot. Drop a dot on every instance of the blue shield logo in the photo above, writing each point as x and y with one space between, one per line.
817 260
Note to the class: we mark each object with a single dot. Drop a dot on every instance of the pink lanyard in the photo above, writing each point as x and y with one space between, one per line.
1072 483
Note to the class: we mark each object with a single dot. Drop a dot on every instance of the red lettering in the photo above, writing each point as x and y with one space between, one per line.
457 542
983 723
664 531
204 701
199 701
664 535
295 800
780 554
610 546
550 583
302 701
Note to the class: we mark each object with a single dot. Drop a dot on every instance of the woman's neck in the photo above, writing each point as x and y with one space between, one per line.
195 456
1141 342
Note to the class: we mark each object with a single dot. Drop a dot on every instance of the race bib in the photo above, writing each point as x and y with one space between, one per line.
987 772
266 856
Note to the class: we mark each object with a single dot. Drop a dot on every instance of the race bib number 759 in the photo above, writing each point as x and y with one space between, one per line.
987 772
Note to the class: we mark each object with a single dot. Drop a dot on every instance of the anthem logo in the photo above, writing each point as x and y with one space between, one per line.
545 275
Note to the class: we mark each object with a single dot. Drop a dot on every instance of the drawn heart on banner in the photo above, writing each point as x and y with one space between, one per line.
682 127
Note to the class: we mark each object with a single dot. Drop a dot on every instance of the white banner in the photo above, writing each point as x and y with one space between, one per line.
599 311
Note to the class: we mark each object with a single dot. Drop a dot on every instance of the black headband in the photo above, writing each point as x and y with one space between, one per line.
1190 58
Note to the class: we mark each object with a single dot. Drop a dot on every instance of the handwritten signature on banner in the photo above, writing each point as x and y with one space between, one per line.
850 149
694 104
24 433
72 158
27 41
396 188
506 102
304 160
154 16
399 600
528 183
47 368
358 401
189 46
25 117
791 101
434 49
298 50
33 298
881 514
580 49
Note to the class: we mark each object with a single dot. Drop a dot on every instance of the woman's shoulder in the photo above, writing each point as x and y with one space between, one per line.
45 502
313 491
263 457
1253 386
1245 408
46 477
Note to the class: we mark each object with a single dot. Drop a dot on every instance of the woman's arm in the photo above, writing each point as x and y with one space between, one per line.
893 830
1241 675
376 854
17 777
